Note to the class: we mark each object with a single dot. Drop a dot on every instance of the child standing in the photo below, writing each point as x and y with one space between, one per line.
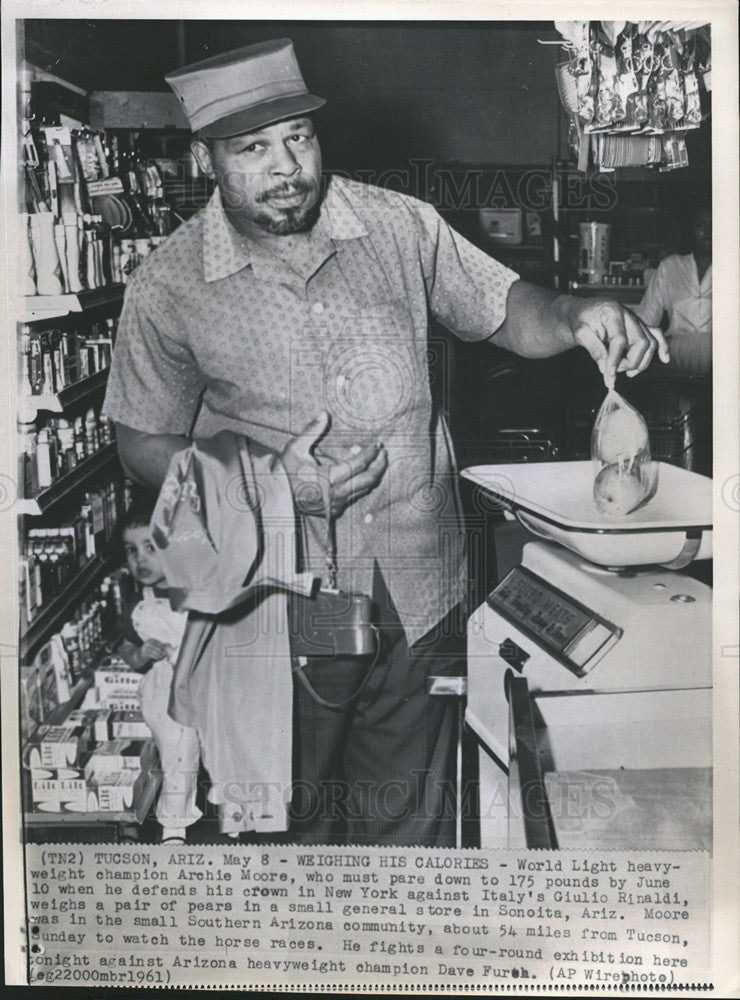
158 632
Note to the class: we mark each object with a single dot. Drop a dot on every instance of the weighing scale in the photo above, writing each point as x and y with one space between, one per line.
613 640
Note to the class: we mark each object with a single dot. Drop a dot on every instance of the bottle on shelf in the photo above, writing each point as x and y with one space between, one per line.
49 385
79 439
142 224
28 479
66 435
24 373
72 251
91 433
35 362
45 458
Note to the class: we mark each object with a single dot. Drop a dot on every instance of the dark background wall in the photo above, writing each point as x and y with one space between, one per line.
473 93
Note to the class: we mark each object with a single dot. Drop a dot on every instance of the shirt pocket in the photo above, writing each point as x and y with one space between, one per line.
376 369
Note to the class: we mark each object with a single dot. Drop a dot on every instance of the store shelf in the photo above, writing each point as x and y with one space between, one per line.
534 248
628 294
46 307
58 611
588 287
146 787
84 473
78 392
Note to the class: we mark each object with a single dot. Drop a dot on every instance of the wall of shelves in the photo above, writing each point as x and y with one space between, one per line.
57 612
55 509
73 483
70 587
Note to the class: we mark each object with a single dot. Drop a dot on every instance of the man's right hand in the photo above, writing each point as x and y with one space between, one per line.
337 483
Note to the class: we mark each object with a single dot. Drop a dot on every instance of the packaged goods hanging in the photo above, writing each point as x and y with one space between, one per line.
633 89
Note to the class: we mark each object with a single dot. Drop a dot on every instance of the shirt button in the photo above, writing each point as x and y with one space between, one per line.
368 519
318 308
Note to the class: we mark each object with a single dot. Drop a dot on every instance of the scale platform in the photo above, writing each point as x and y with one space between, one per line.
617 664
554 500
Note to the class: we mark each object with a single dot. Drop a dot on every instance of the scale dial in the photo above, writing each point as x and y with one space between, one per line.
569 631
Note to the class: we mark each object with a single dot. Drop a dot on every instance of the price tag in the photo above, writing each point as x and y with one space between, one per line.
111 185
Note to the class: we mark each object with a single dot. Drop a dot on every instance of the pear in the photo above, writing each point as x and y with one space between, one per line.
618 491
621 436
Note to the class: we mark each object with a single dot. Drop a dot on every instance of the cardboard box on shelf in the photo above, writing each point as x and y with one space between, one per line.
54 678
59 789
116 681
122 703
112 756
58 746
110 725
86 804
115 793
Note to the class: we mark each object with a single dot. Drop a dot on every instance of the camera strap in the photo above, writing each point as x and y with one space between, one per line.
330 540
330 563
337 705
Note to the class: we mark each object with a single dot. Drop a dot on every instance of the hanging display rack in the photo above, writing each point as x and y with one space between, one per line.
632 90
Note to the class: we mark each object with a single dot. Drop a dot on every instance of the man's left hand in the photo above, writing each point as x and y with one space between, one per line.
614 336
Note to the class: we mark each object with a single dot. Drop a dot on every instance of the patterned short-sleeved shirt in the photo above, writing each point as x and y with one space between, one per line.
218 331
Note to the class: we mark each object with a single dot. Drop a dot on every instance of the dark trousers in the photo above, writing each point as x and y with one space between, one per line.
381 770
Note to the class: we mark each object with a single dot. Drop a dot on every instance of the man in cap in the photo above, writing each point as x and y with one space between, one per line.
295 312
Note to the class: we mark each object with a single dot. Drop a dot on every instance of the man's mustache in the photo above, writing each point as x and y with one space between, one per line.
296 187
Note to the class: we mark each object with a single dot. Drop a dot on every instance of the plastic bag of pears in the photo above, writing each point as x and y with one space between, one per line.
626 477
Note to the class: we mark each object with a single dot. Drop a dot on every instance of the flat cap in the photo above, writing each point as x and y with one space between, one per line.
243 90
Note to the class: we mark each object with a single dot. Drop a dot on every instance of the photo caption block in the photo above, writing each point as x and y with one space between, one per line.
415 919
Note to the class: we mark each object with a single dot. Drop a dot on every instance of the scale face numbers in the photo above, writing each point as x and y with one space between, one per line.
575 635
